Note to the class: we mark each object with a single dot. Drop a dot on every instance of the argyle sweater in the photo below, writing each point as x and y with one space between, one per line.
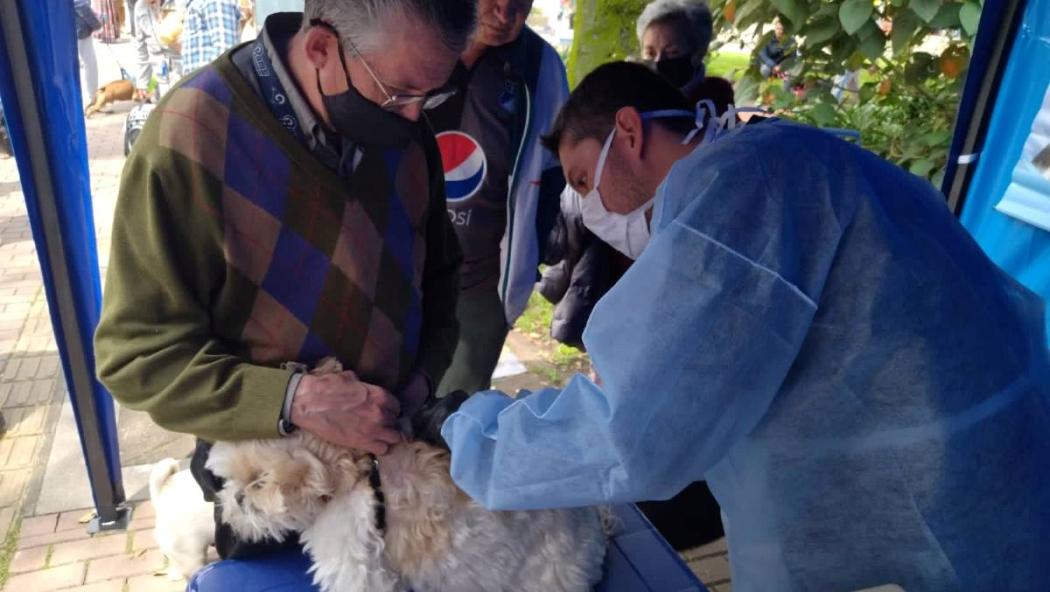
235 250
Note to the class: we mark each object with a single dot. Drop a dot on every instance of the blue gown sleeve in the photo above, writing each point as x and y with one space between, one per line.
692 345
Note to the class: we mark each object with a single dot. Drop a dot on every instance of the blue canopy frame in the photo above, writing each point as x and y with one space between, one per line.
40 90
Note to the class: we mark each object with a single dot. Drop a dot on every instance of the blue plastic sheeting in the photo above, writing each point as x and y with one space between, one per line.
638 560
1021 249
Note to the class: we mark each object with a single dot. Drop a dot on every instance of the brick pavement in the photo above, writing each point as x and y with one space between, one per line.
54 551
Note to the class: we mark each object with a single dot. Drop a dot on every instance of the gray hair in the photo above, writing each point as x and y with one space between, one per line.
365 22
695 14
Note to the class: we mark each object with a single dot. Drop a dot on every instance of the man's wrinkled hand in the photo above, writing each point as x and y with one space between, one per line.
343 410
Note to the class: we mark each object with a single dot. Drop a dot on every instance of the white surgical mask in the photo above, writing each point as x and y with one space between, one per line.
627 233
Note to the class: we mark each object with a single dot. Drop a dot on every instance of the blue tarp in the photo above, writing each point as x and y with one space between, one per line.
1020 248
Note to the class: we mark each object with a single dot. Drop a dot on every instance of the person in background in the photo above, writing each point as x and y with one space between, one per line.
285 203
129 10
159 64
87 22
211 28
674 36
247 17
502 187
109 16
775 52
813 332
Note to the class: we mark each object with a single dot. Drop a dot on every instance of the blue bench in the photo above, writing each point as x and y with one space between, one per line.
638 560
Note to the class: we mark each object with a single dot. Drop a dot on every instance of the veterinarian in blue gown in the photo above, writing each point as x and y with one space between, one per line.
811 332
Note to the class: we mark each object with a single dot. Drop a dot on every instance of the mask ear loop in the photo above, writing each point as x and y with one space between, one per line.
705 113
728 121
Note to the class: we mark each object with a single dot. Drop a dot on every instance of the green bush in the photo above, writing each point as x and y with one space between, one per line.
906 104
905 108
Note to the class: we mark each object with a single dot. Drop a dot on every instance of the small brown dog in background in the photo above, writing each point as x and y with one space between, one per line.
118 90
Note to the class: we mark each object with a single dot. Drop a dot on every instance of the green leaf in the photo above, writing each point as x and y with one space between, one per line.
926 9
747 14
970 17
856 61
936 138
854 13
826 10
947 17
821 32
842 48
874 46
823 114
904 26
793 10
922 167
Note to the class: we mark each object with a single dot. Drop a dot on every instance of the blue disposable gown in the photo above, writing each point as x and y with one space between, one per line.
812 332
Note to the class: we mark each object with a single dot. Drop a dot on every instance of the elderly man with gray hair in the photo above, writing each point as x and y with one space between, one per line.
285 204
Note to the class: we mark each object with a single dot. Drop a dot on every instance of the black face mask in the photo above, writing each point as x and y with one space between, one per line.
678 71
361 121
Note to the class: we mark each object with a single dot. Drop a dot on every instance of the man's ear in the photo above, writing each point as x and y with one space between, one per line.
629 129
321 46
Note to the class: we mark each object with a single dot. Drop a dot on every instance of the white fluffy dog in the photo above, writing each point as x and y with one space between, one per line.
185 523
436 540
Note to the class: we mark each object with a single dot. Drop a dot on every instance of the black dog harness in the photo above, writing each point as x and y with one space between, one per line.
377 491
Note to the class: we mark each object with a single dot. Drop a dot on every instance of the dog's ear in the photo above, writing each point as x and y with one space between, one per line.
311 474
427 422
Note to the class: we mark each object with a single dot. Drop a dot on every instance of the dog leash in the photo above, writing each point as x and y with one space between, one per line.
124 74
377 491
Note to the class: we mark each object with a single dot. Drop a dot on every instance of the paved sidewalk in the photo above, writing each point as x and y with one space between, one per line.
53 551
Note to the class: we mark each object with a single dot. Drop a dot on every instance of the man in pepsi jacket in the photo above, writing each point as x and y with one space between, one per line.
502 187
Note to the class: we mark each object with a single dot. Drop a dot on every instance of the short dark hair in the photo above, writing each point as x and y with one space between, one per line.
592 107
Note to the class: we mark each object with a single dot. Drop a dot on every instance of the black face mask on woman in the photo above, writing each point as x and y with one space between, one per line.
678 71
359 120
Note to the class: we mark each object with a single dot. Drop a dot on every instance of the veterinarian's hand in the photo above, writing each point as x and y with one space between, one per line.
345 411
141 95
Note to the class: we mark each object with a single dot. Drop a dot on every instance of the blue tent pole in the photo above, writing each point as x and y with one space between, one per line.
991 51
40 90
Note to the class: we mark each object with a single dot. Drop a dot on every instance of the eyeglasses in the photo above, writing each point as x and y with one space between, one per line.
395 102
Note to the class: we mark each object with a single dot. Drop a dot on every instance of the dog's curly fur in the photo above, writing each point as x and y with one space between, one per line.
437 538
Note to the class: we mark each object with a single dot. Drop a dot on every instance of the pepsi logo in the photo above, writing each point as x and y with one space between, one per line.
464 163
